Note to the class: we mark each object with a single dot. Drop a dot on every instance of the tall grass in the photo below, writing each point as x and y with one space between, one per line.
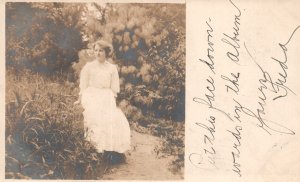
45 138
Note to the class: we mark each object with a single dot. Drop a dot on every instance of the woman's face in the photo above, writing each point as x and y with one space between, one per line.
99 53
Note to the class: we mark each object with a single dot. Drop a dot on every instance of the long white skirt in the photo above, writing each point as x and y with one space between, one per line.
108 126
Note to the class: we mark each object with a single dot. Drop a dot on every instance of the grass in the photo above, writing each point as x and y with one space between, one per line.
45 137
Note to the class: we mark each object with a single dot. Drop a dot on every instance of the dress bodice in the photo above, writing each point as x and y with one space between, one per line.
99 75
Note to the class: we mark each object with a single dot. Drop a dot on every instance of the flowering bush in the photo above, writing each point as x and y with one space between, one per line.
149 52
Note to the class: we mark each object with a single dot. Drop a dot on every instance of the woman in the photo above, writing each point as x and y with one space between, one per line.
99 86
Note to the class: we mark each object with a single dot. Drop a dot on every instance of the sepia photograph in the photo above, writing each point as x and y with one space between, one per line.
150 90
95 91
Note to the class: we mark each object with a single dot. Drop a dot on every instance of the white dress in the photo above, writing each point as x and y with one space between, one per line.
108 126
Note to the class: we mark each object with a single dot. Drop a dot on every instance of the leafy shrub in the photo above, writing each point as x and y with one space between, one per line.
172 144
43 37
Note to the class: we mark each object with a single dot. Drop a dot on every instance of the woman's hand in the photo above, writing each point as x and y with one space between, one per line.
78 101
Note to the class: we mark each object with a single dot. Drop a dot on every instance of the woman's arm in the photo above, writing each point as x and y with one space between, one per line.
83 82
115 82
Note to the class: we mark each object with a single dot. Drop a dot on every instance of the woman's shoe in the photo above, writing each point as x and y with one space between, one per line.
117 158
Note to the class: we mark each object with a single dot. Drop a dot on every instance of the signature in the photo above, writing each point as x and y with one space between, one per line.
265 124
280 83
276 87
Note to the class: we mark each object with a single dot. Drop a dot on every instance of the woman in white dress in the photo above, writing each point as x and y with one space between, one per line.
99 86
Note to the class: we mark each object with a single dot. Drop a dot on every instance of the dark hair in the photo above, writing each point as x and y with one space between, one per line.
107 51
105 46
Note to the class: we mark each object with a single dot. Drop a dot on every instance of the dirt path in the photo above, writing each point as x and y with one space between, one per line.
142 162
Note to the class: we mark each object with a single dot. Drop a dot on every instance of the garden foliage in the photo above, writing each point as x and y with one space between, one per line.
47 44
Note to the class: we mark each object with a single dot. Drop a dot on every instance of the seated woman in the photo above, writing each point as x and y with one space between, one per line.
99 85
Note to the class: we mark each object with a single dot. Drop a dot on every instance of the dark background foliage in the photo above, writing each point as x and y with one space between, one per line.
42 37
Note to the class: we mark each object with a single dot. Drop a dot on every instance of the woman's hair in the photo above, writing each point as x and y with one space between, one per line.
107 47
